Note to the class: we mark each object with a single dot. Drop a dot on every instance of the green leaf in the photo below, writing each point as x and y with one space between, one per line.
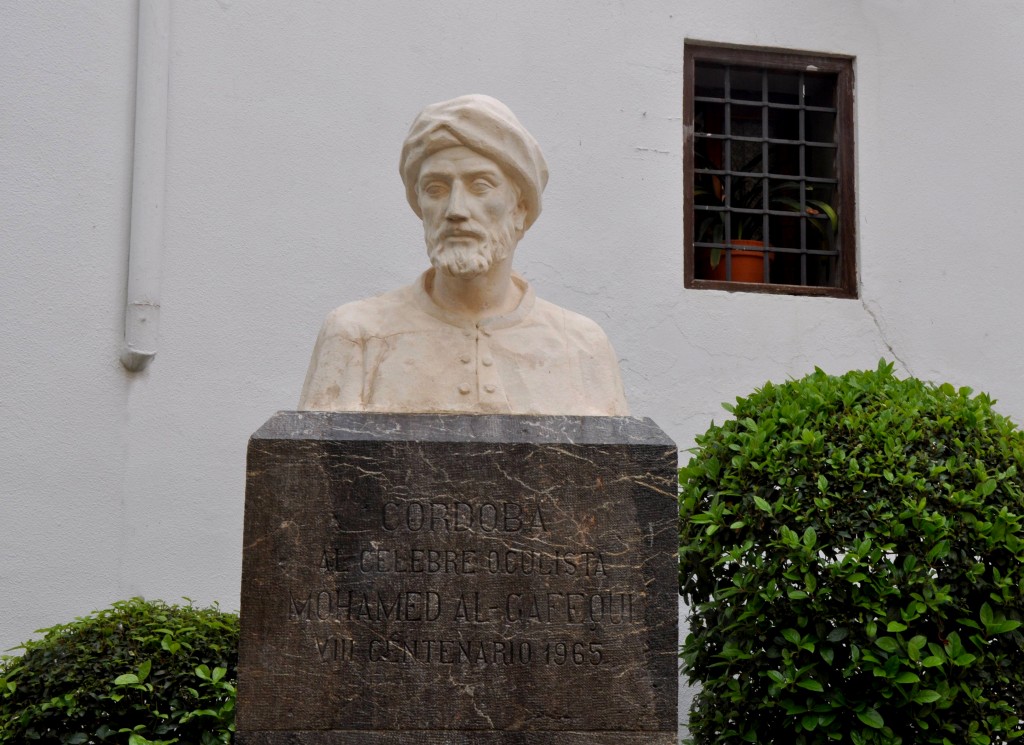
833 218
837 635
895 627
144 669
964 659
986 613
907 677
811 685
791 635
913 653
126 679
871 718
925 696
887 644
1001 627
939 551
762 504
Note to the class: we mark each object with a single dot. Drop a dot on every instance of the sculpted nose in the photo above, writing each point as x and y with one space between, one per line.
456 209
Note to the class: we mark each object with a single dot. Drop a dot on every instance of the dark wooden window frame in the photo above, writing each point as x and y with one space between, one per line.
784 61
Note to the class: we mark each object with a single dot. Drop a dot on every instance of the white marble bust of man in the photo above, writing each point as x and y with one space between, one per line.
469 336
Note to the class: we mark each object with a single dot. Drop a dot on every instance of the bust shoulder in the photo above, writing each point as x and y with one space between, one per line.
578 329
378 316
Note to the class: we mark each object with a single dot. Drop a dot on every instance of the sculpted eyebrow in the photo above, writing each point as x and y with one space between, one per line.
447 175
432 175
487 172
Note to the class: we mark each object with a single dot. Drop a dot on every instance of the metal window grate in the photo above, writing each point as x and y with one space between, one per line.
769 198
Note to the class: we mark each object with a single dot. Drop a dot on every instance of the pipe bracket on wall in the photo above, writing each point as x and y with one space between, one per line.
142 308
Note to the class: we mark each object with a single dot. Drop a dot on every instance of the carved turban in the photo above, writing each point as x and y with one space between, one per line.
484 125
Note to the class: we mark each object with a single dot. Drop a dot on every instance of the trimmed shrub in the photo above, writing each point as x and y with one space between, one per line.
852 550
139 672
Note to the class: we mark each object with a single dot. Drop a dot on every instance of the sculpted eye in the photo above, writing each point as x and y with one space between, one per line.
434 189
481 186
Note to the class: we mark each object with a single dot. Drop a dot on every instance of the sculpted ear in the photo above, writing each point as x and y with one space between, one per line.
519 217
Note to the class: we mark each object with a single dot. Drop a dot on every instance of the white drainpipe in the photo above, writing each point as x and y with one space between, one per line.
142 310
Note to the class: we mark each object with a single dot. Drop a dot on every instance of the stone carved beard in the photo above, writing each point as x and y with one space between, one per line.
469 258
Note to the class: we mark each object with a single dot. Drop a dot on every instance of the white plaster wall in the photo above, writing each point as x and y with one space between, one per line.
283 200
66 98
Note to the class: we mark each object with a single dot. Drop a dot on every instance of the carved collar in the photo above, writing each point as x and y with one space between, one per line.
428 306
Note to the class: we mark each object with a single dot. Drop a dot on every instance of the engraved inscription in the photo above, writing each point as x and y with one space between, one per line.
584 600
397 649
339 604
352 605
451 517
416 560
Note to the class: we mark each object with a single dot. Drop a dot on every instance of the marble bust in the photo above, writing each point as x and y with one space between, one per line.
469 336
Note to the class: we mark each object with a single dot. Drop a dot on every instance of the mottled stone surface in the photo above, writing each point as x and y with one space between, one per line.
448 579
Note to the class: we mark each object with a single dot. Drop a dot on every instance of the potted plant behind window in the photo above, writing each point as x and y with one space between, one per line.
746 228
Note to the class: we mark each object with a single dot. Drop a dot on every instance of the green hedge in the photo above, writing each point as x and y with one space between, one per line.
139 672
852 550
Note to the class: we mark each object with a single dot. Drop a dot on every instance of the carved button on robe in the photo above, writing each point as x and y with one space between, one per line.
400 352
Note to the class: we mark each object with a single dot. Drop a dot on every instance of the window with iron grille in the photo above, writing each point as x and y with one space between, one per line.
769 171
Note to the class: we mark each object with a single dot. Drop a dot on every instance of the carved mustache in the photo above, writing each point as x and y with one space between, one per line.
462 232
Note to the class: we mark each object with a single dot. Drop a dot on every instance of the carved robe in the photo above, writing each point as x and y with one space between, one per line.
400 352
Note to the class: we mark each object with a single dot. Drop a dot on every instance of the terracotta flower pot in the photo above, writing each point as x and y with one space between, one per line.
747 266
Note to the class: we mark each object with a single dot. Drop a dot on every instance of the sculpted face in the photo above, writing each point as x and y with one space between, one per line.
472 212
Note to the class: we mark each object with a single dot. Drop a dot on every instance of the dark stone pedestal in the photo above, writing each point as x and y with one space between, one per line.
458 579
